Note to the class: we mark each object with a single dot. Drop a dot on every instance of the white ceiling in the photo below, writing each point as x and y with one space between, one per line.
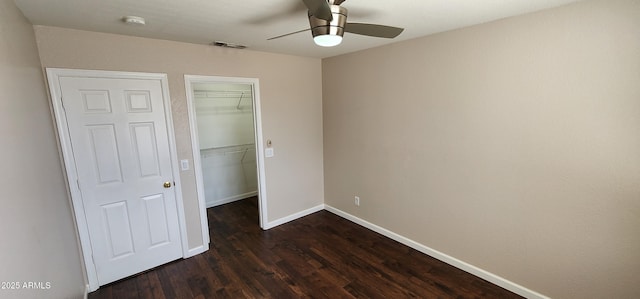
252 22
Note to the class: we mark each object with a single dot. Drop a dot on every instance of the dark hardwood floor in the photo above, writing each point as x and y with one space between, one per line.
318 256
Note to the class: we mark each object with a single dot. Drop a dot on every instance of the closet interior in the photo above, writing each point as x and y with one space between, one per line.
226 133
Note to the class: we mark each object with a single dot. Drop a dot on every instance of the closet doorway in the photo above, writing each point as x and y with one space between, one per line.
226 134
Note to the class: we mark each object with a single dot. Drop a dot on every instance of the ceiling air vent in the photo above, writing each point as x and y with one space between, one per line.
228 45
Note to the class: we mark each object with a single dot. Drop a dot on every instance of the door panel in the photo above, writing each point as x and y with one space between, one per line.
105 153
118 229
156 217
144 146
120 145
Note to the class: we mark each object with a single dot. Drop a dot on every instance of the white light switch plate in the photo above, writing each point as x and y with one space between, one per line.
184 164
268 152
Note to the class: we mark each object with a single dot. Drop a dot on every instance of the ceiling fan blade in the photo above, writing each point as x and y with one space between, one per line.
319 9
373 30
279 36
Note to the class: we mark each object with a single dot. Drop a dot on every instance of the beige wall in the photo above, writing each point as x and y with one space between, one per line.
291 98
38 240
512 145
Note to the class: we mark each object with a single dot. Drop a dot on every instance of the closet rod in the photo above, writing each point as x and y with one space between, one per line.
226 90
214 151
238 151
226 147
221 94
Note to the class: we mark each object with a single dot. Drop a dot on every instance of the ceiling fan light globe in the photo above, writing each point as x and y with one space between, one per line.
327 40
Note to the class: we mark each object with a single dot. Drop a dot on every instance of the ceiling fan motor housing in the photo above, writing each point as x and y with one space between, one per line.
333 27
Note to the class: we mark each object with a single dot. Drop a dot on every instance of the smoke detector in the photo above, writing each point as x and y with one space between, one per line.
134 20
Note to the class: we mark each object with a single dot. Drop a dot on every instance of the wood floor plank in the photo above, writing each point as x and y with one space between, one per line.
125 289
155 287
143 285
317 256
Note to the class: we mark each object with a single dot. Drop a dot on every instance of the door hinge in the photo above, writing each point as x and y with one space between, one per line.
78 183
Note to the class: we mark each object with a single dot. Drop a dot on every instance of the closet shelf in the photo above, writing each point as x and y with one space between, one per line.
201 94
234 96
227 147
230 149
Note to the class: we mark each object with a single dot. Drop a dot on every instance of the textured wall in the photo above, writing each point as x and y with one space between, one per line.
512 145
291 101
38 242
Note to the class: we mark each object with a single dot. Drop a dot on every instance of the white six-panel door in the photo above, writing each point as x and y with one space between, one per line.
119 140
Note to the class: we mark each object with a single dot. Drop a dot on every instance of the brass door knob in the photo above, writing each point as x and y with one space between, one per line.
167 184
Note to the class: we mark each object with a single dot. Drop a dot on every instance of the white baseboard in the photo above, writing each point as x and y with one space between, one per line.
231 199
196 250
295 216
488 276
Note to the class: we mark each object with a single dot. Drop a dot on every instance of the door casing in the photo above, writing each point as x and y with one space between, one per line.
259 140
53 78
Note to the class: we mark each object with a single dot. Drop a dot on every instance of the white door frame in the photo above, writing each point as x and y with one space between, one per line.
53 77
257 123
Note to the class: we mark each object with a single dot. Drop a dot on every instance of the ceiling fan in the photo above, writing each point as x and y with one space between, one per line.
328 23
